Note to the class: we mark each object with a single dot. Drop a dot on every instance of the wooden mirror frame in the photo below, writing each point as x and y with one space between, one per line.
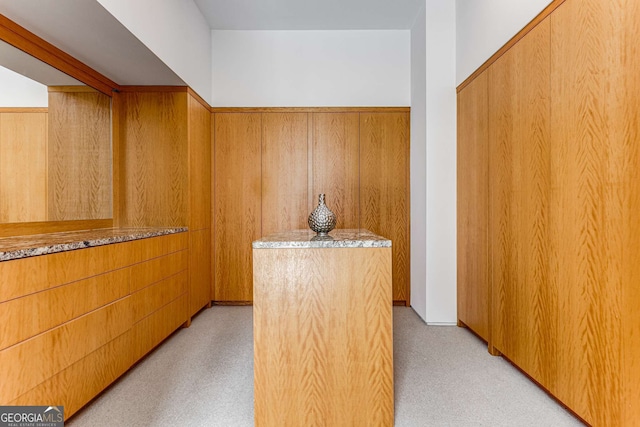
26 41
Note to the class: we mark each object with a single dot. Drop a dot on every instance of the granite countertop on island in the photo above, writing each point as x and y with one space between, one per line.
338 238
41 244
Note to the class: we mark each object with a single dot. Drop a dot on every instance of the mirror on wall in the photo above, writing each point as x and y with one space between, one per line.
55 144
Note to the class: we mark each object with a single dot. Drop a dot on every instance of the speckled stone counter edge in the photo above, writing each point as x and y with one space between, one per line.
28 246
339 238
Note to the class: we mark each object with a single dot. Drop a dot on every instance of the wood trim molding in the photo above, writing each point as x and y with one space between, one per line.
29 228
198 98
530 26
39 48
71 89
310 109
153 89
169 89
232 302
24 110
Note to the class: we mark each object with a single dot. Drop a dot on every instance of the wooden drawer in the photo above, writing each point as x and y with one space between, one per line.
29 275
151 330
22 318
156 296
156 269
68 320
146 249
29 363
76 385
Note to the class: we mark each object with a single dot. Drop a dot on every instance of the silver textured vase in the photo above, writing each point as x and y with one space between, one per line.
322 220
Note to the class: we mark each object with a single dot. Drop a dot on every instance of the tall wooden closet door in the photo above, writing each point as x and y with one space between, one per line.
199 136
524 295
335 166
595 159
473 199
284 172
384 184
237 211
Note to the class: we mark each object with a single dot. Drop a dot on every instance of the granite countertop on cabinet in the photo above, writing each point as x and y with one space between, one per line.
41 244
338 238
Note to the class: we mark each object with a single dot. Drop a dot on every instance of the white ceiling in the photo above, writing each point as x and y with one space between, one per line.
86 31
310 14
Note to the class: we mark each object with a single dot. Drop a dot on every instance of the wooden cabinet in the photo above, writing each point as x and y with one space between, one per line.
237 205
98 311
595 191
199 171
323 341
524 293
473 207
165 172
564 199
271 164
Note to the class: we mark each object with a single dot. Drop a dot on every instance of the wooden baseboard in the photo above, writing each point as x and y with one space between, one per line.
232 302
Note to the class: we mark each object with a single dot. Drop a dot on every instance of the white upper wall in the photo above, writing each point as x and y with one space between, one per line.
483 27
19 91
311 68
175 31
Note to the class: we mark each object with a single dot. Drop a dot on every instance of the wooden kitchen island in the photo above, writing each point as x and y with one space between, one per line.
322 325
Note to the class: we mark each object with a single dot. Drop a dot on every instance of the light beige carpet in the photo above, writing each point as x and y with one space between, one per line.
203 376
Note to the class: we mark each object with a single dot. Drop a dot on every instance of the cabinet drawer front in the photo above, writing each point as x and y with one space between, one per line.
151 330
25 317
25 276
156 296
146 249
25 365
76 385
154 270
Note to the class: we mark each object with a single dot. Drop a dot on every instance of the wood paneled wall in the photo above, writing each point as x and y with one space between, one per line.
237 203
565 206
335 165
154 162
285 197
271 164
164 177
23 165
384 188
79 154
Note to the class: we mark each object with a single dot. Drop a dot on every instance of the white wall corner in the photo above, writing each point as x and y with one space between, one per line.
418 161
441 265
